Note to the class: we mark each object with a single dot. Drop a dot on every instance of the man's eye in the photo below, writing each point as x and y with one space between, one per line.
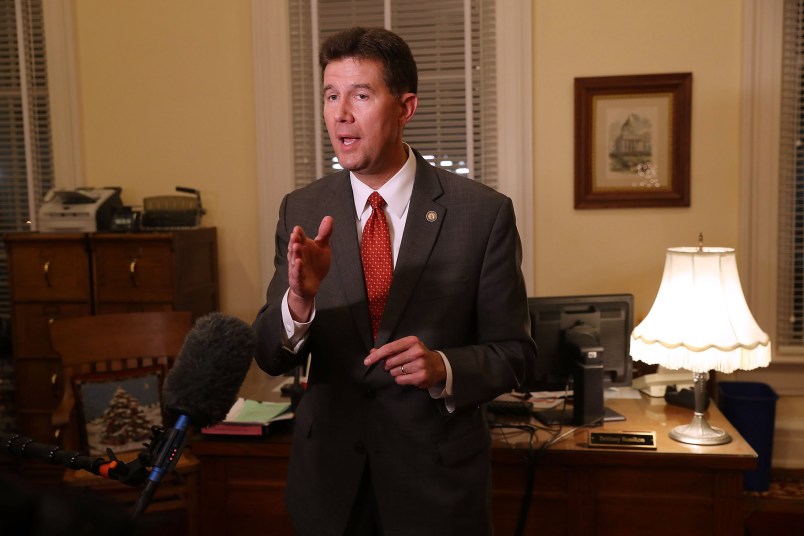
362 96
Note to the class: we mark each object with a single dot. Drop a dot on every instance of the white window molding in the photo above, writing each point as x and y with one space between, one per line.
65 123
759 186
274 123
515 121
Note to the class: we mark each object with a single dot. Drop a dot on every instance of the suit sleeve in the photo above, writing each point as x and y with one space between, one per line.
505 354
271 355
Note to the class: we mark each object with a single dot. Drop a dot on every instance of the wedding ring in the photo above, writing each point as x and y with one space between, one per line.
402 368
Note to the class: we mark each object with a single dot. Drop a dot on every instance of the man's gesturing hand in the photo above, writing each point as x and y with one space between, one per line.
308 264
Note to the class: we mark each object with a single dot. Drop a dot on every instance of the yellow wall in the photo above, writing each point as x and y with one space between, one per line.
622 250
166 93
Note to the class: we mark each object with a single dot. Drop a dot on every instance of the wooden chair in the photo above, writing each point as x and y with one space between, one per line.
122 343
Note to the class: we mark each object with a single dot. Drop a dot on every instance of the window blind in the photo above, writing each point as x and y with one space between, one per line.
790 299
26 162
453 42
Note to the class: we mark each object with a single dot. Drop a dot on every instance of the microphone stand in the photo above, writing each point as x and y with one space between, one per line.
132 473
294 390
161 454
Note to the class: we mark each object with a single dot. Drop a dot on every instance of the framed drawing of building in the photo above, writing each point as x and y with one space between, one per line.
632 141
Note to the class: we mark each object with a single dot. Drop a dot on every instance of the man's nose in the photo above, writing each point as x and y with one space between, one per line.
343 111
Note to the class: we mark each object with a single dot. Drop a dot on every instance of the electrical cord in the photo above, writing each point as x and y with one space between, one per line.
533 454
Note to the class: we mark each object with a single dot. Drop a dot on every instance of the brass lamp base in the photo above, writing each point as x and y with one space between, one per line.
698 432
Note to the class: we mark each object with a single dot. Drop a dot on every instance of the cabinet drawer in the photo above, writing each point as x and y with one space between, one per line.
31 325
134 272
38 426
43 384
109 308
49 271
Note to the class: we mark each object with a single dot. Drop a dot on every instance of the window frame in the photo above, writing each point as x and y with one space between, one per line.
65 149
759 186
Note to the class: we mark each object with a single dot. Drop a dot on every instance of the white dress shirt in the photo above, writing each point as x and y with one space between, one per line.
396 193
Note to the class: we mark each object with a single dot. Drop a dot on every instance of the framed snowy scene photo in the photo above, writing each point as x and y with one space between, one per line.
118 409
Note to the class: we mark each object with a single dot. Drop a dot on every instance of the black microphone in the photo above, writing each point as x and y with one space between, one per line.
201 387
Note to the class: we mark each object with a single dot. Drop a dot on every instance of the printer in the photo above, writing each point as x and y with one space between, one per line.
83 210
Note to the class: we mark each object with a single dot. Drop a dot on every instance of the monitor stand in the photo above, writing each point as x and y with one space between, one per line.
587 379
565 416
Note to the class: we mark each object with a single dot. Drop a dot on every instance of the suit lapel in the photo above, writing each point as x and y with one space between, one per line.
423 224
346 255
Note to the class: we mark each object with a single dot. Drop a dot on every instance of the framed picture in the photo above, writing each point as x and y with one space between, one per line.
117 409
632 141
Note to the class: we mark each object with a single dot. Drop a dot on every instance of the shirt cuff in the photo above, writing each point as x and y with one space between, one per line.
294 333
444 391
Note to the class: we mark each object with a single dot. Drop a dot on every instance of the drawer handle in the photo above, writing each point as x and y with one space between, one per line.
46 273
55 382
132 271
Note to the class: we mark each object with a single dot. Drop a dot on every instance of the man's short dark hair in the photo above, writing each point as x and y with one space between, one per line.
399 67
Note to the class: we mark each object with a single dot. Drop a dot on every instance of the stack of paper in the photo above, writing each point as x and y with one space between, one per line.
250 417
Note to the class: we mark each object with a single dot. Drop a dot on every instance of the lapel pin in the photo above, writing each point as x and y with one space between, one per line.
431 216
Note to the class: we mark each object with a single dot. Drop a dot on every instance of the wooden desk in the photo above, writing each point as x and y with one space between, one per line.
676 489
242 484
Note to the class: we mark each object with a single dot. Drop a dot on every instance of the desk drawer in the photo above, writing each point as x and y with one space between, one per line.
653 483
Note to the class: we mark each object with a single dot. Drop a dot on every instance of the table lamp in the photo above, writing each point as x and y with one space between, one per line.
699 322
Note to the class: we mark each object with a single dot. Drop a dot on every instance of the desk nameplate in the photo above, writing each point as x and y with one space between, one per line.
623 440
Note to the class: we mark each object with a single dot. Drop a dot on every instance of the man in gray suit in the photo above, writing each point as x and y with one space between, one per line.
390 437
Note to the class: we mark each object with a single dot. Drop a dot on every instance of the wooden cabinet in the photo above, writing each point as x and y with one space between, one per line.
50 279
170 271
57 275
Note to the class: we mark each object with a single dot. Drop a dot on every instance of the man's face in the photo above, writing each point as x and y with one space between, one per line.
364 120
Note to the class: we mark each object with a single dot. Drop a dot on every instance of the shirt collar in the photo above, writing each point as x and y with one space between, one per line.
396 191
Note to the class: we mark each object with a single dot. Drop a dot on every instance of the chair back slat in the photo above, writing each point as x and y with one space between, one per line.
119 336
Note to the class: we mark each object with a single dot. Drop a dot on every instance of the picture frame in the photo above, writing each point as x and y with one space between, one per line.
117 409
632 141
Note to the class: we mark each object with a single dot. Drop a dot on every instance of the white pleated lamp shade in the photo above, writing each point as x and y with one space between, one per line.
700 320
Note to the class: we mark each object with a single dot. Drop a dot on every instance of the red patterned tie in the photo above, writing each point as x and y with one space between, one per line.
378 264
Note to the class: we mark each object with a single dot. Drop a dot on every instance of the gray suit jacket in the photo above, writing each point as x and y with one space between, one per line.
458 286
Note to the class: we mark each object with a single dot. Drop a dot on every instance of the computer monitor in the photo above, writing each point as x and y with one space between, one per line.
582 340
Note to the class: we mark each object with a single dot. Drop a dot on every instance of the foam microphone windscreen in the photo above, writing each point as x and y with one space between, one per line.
210 369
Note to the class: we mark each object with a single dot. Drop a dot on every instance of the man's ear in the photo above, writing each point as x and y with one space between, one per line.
409 103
